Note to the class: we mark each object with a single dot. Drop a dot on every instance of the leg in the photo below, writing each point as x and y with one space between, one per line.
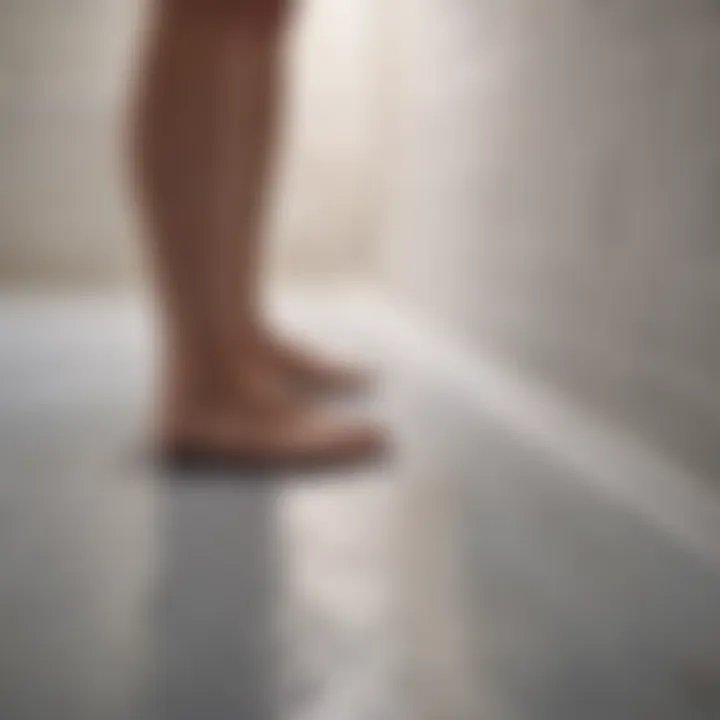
249 127
208 68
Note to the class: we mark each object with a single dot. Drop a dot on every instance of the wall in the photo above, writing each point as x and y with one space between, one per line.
61 214
63 71
325 217
553 195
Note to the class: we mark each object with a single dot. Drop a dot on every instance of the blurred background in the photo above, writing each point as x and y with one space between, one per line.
65 74
512 209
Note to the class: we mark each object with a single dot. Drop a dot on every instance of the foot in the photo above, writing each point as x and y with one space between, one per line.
288 440
303 369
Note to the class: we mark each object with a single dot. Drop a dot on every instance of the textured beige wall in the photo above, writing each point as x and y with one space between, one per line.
60 79
325 212
63 68
555 197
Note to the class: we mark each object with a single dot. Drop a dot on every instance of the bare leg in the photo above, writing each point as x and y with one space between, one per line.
208 67
252 79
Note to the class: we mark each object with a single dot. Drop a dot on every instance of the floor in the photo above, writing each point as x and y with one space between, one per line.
481 574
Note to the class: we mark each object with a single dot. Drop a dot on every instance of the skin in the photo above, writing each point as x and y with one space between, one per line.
204 122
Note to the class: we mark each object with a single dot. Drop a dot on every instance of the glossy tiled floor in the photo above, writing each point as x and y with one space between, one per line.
479 576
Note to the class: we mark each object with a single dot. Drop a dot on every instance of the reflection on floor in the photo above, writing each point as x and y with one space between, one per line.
481 576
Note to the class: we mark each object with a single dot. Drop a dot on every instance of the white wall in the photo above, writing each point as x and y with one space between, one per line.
60 79
555 197
326 218
62 74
